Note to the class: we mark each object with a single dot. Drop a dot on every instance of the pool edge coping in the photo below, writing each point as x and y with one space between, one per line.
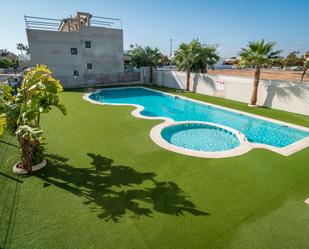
241 149
285 151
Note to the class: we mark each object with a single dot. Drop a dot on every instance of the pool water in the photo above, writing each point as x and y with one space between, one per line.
157 104
200 137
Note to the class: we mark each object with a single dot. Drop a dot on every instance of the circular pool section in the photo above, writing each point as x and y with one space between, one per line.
200 137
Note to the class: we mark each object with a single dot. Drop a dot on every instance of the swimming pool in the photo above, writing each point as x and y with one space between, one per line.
156 104
200 137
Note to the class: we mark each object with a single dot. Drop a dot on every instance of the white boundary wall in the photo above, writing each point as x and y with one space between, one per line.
282 95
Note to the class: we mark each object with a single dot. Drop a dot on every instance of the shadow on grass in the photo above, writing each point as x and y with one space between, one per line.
112 190
10 144
11 178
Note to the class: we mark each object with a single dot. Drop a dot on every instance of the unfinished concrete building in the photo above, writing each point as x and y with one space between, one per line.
77 49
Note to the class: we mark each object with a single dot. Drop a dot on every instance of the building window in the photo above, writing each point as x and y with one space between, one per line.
75 72
73 50
89 66
87 44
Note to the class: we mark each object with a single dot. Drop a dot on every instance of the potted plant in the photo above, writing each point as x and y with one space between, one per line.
21 112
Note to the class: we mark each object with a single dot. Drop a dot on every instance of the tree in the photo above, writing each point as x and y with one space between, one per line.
4 62
147 56
21 112
194 57
23 48
137 54
185 58
280 62
164 60
304 65
7 59
207 58
258 54
152 57
292 59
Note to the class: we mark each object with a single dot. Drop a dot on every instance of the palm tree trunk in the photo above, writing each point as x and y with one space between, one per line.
255 86
26 154
151 75
303 75
38 120
188 80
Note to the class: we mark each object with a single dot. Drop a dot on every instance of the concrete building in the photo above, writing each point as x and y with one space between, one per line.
76 49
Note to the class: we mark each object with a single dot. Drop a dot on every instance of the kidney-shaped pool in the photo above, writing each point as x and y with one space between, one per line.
259 131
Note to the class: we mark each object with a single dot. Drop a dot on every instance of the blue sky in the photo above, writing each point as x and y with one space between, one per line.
230 24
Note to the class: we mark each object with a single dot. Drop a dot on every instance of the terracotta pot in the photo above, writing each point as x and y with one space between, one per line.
20 171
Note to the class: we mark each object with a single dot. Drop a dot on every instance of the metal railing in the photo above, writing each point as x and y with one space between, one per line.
99 79
42 23
100 21
54 24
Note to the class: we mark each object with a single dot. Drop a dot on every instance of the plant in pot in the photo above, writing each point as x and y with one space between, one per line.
21 114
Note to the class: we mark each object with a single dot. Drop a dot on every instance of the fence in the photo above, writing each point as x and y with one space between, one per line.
100 79
277 94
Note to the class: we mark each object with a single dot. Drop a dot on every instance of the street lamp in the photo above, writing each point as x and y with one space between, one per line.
171 53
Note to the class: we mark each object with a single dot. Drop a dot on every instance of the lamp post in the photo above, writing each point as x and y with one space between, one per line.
171 53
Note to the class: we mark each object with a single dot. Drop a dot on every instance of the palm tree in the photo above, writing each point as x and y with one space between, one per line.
164 60
305 65
149 57
186 56
195 57
152 59
207 58
258 54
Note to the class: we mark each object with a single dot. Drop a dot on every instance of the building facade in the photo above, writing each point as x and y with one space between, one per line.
76 49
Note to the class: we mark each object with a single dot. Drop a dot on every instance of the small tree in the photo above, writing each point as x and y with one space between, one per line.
185 58
147 56
152 56
258 54
164 60
194 57
22 112
207 58
137 54
5 62
292 59
23 48
304 65
280 62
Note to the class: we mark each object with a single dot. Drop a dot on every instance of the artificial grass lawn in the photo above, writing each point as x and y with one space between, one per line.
108 185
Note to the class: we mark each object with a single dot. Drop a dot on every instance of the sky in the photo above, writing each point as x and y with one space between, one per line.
229 24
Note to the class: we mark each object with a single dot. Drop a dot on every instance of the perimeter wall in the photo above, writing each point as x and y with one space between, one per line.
282 95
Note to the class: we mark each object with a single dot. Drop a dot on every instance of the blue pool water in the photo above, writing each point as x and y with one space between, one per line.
157 104
201 137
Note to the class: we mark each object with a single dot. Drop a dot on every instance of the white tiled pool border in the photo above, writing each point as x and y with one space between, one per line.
155 135
244 147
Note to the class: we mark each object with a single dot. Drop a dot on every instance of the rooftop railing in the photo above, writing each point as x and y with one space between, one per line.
53 24
35 22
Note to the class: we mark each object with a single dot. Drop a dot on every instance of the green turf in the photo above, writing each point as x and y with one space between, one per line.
108 185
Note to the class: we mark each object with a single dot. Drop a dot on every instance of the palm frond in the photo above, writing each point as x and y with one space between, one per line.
258 53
